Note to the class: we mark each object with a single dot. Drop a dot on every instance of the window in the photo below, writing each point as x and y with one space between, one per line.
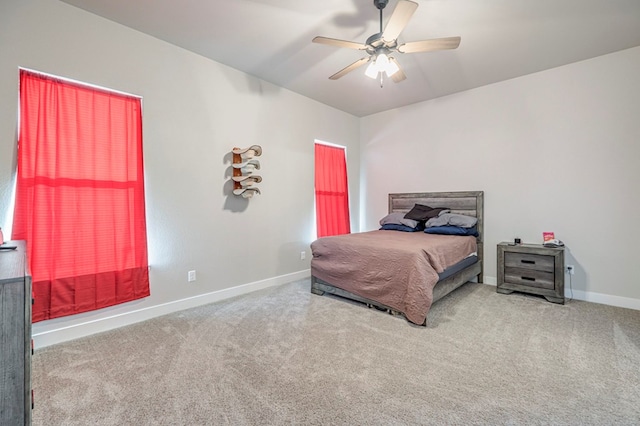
332 191
80 196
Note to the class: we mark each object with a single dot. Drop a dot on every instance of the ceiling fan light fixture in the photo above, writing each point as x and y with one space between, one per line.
372 70
381 63
391 68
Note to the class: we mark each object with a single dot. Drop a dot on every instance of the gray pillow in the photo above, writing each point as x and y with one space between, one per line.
397 218
452 219
441 220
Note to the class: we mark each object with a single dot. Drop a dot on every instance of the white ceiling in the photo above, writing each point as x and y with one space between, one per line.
271 39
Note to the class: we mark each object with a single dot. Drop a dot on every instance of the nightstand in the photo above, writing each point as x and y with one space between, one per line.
531 268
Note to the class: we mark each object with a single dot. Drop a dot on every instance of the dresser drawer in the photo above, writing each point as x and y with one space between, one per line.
529 277
535 262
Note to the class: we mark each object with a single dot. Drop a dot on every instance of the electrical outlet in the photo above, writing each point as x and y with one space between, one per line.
303 255
571 270
191 276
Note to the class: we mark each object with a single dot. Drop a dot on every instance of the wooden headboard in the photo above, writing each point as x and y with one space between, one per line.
470 203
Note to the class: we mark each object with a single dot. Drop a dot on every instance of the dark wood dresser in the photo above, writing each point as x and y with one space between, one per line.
15 336
531 268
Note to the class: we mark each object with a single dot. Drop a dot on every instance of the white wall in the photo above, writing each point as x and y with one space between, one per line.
555 151
195 112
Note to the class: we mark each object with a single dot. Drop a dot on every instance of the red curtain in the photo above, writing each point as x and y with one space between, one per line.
332 191
80 196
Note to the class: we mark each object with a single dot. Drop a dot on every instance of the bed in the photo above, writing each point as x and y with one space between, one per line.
402 273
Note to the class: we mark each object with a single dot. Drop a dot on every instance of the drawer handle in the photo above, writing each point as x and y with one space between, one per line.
530 262
528 278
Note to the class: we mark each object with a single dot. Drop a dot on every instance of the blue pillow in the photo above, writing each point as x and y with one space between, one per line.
452 230
397 227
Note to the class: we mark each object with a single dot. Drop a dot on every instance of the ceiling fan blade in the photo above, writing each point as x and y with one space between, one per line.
339 43
399 75
350 68
399 19
430 45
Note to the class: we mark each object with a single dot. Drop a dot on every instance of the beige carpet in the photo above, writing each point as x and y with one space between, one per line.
283 356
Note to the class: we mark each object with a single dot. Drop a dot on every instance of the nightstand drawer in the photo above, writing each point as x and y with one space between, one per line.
530 261
529 277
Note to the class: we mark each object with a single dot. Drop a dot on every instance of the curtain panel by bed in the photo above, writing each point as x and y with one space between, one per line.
80 201
332 191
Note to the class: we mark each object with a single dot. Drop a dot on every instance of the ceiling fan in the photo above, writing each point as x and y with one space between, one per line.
382 45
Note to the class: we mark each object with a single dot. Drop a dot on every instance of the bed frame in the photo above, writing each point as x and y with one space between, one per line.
470 203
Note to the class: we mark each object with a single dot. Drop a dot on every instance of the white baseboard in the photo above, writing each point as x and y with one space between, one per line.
589 296
44 335
490 280
605 299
